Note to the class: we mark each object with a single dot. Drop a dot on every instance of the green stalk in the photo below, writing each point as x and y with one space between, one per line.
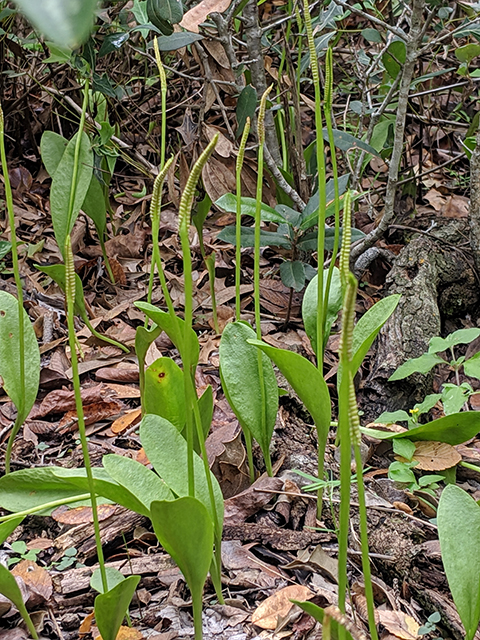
348 315
70 295
155 232
184 224
18 283
256 268
43 507
322 198
238 221
328 92
189 371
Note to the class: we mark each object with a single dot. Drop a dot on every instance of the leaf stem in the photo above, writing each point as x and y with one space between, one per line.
238 221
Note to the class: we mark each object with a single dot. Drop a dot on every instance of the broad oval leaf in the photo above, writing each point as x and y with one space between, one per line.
166 449
246 105
459 546
309 306
169 10
308 383
345 141
52 148
292 274
239 362
453 429
184 529
22 396
145 485
61 186
114 577
111 607
66 22
164 393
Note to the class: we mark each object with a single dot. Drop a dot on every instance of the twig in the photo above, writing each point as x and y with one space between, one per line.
408 69
474 212
282 183
354 9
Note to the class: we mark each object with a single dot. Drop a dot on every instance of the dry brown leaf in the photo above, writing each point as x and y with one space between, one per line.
240 507
126 633
111 374
128 419
224 147
36 579
86 625
218 177
40 543
456 207
435 456
142 457
436 199
118 272
197 14
399 624
277 606
82 515
63 400
123 391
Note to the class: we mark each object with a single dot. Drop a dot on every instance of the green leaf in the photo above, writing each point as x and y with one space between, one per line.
173 327
404 448
95 207
401 472
5 248
170 10
454 429
309 306
8 527
111 607
345 141
423 364
317 613
205 406
29 488
313 204
61 185
177 40
308 383
184 529
145 485
239 362
24 395
246 105
52 148
471 366
391 417
66 22
428 403
394 58
166 449
293 274
468 52
462 336
368 327
371 35
113 42
267 238
228 202
454 398
105 486
459 546
10 589
164 391
114 577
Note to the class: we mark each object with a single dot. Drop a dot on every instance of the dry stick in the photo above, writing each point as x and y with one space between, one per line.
253 42
474 212
398 32
282 183
225 38
408 69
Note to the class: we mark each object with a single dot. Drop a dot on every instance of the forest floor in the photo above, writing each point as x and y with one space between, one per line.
272 538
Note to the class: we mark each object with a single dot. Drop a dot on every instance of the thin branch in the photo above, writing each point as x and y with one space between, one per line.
398 32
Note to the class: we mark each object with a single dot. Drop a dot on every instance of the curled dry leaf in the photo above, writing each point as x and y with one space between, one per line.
279 605
197 14
128 419
435 456
399 624
36 579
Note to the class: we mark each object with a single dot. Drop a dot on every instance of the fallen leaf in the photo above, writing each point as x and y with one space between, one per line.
197 14
277 606
86 625
224 147
40 543
126 633
123 391
399 624
36 579
246 504
435 456
436 199
128 419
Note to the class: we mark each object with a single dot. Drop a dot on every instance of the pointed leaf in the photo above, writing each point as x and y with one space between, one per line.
95 207
459 546
61 185
423 364
52 148
111 607
184 529
22 396
164 393
462 336
309 306
228 202
241 382
166 449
